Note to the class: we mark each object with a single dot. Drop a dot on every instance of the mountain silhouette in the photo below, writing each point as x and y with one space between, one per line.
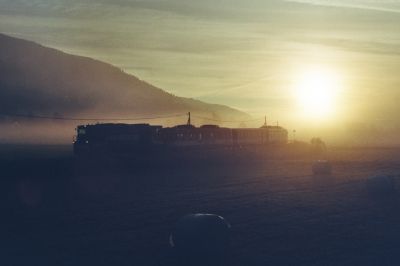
38 80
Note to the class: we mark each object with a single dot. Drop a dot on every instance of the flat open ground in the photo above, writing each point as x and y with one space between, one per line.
56 214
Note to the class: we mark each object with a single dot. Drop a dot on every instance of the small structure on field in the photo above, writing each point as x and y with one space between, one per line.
322 167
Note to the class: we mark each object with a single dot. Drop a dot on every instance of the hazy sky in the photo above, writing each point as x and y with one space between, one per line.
246 54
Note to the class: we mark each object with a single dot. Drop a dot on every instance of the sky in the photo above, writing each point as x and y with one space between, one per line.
252 55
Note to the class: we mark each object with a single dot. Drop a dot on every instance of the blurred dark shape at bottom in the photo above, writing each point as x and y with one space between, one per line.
381 186
200 239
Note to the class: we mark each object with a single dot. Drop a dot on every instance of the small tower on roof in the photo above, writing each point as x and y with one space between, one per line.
189 122
265 122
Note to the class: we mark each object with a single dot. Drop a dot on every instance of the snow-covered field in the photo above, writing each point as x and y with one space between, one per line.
280 213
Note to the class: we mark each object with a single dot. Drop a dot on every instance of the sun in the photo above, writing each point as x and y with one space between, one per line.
316 92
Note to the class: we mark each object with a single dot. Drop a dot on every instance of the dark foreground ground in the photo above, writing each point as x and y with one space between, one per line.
56 211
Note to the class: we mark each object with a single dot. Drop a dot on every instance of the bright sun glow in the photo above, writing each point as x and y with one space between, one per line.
316 91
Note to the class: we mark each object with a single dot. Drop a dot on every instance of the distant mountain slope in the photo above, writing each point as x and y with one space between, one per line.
39 80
